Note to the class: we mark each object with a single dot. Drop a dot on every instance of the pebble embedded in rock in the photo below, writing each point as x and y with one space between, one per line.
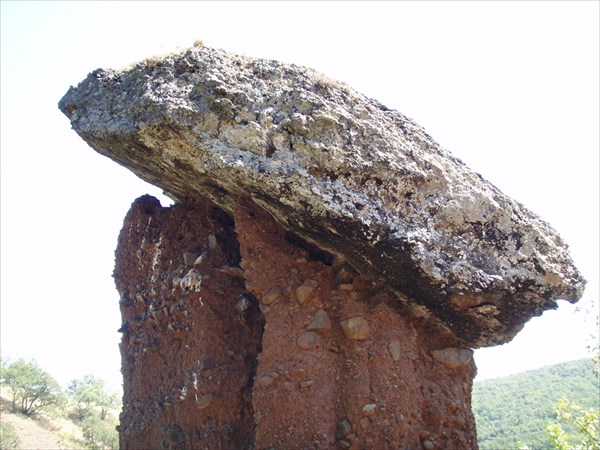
307 341
242 305
305 290
343 429
453 357
394 349
428 445
335 348
369 409
202 401
265 380
191 281
270 297
356 328
207 364
189 258
212 241
233 271
200 259
306 384
321 321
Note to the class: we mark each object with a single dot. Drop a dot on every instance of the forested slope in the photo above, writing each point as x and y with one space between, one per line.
515 409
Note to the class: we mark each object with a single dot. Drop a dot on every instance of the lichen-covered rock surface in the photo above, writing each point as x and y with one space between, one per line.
337 169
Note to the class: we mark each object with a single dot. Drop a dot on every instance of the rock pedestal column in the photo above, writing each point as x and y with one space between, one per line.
239 329
191 332
240 334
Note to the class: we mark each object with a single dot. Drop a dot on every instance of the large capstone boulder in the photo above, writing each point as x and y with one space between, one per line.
341 173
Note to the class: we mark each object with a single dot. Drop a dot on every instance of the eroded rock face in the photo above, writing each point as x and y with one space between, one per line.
189 351
235 358
340 170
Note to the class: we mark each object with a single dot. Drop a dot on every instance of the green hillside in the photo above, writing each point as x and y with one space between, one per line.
515 409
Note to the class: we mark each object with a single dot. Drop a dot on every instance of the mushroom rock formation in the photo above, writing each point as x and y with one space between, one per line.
326 268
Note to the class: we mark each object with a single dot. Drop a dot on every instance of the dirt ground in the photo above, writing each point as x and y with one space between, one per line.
41 432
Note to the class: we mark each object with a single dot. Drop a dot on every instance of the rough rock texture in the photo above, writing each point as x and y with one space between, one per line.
340 170
224 348
188 349
325 271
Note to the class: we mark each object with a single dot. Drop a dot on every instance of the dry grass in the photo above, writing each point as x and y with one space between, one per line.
322 79
41 430
152 61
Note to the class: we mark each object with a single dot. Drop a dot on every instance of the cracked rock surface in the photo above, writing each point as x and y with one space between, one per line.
337 170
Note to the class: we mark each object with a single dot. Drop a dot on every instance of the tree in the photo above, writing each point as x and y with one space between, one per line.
89 394
31 386
586 422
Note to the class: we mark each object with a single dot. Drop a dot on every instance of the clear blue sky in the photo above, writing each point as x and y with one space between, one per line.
510 87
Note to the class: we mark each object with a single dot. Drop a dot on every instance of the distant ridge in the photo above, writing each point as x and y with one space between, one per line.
515 409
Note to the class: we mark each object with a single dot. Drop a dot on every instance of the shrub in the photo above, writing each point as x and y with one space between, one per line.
100 433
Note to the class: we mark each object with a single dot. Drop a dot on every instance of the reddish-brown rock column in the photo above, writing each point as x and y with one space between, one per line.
343 363
336 362
191 333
